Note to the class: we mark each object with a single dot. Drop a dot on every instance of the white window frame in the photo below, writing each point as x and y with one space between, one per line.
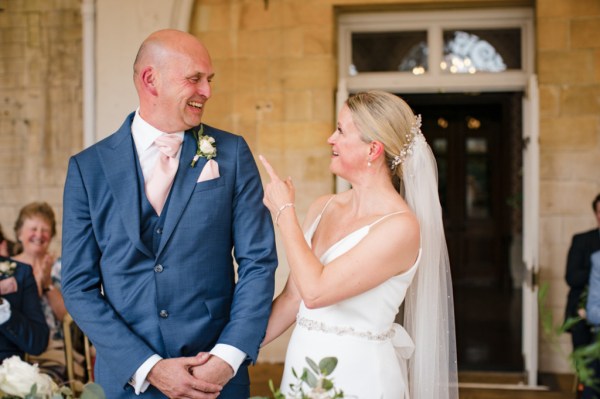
435 22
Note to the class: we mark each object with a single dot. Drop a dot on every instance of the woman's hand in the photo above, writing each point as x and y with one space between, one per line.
8 286
43 270
279 194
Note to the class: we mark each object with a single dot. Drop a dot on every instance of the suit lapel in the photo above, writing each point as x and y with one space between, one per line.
183 187
119 165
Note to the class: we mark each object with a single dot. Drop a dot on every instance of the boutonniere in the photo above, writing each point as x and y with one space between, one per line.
7 268
205 146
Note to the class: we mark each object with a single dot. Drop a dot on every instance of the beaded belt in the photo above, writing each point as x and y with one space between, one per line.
314 325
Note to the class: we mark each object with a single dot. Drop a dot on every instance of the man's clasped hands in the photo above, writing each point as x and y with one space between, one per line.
202 376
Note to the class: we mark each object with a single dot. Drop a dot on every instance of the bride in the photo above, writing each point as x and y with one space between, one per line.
361 254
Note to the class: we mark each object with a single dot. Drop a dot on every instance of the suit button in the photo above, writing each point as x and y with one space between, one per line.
164 314
158 268
159 230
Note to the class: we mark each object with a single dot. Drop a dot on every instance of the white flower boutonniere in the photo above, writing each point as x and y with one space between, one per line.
7 268
205 146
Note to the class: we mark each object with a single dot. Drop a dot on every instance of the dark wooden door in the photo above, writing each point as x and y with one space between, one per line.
475 141
465 143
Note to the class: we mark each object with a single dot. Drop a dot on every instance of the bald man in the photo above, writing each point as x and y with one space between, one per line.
154 217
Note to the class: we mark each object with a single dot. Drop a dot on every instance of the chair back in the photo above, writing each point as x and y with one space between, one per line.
70 353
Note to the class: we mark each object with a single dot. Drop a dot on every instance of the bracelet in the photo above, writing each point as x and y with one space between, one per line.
281 208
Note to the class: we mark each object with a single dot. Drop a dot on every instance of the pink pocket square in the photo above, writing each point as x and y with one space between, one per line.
209 172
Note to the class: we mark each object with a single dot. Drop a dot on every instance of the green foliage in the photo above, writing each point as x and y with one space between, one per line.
90 391
581 358
93 391
315 377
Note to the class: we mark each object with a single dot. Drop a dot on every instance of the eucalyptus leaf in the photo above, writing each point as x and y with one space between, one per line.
32 393
327 365
313 365
311 379
326 384
93 391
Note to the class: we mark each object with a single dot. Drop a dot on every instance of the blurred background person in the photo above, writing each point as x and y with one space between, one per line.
35 228
22 325
579 261
7 247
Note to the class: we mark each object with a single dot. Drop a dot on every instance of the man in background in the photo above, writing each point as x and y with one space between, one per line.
579 262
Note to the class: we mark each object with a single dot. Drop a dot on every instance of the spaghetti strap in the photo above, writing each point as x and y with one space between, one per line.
314 224
326 205
385 217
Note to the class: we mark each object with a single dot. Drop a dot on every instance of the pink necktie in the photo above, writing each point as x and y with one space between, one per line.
159 183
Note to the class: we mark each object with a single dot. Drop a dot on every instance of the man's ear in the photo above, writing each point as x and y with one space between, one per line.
149 80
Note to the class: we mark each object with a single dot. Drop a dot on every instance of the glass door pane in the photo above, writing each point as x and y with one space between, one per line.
481 50
389 52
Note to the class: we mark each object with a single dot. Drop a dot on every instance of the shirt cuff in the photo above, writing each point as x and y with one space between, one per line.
138 381
230 354
5 312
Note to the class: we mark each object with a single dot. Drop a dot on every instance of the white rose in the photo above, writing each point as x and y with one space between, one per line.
206 147
17 377
4 267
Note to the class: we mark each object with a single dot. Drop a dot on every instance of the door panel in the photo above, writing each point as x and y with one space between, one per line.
474 143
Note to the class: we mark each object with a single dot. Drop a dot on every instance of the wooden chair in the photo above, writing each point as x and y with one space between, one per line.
68 326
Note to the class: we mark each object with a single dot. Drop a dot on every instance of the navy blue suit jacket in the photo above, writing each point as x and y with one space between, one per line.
578 266
26 331
110 281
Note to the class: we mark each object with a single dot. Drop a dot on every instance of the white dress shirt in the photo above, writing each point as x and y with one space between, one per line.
5 312
143 137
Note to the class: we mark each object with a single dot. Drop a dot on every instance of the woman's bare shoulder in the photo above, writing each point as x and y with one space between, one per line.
315 209
398 226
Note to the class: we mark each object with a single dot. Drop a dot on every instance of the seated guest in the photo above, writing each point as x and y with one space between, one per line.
593 317
34 229
6 245
23 328
593 300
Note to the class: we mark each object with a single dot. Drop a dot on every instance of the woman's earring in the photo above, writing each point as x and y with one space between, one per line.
369 163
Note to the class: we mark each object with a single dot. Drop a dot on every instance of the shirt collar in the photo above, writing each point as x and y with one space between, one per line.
144 133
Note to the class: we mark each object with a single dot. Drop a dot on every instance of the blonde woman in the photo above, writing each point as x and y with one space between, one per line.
364 252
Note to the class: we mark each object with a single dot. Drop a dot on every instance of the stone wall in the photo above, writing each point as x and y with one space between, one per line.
40 102
568 64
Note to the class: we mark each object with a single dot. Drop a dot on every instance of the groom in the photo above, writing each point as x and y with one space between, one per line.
150 232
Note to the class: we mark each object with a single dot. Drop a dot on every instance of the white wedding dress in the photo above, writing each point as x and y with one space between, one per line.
371 349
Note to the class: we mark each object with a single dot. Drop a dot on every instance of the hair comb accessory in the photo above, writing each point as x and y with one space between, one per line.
407 148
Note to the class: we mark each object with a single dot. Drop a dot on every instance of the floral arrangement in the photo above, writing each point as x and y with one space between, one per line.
205 146
7 268
314 382
21 380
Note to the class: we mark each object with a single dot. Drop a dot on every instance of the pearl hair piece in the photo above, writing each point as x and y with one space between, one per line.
407 148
